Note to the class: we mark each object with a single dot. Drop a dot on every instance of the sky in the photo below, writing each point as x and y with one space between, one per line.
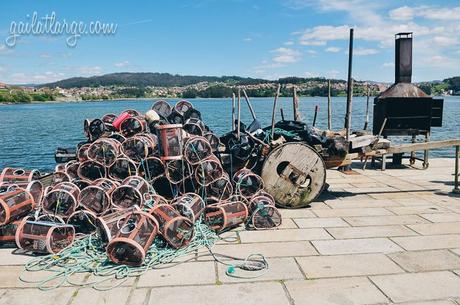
261 38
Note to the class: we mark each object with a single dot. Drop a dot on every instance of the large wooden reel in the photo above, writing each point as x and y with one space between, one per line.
294 174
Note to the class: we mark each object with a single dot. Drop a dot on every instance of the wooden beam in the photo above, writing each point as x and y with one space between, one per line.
422 146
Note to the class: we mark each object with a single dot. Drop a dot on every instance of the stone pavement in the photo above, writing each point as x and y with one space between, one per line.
376 237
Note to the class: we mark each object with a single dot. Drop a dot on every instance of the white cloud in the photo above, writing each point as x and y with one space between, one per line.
45 55
247 39
89 71
121 64
333 49
439 13
289 43
402 13
332 73
312 52
364 51
388 65
286 55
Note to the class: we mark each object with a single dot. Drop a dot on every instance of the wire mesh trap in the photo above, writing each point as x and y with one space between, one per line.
136 235
15 203
62 200
43 236
108 225
131 192
170 141
83 221
226 215
96 197
16 175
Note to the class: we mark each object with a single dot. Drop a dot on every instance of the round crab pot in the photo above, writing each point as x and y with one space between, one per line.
82 152
59 167
162 107
218 190
71 169
108 120
189 205
194 126
139 147
133 125
197 149
151 169
213 140
15 175
62 199
91 170
15 203
122 168
104 151
208 171
96 197
178 171
136 235
50 218
170 141
132 191
96 129
109 224
264 214
58 177
83 221
247 183
35 188
43 236
177 230
8 232
182 107
81 183
225 216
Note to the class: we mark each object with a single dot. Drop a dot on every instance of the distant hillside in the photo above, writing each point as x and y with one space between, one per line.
148 79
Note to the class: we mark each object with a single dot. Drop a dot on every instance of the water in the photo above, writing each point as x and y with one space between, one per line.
30 133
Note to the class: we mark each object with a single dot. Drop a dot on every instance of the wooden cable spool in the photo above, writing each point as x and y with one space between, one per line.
294 174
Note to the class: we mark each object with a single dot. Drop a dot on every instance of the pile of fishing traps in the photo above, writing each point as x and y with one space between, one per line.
136 180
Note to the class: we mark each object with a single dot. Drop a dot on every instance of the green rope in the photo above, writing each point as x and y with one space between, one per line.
87 255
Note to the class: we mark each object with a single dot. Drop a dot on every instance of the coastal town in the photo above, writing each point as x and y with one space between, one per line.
202 89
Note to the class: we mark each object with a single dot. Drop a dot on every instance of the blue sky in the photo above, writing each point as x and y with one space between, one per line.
267 39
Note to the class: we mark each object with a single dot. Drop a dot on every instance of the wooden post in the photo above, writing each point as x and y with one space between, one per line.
349 87
315 115
295 104
282 114
366 122
239 115
274 109
329 106
253 114
233 111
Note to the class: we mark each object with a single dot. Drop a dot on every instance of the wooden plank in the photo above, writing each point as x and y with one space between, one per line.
422 146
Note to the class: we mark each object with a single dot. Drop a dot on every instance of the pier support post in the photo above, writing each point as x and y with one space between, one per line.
456 189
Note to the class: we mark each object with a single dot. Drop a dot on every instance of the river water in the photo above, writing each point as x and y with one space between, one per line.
30 133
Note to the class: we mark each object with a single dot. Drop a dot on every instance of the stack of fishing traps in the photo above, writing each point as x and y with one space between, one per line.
135 179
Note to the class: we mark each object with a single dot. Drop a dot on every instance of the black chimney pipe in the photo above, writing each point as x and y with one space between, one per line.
403 57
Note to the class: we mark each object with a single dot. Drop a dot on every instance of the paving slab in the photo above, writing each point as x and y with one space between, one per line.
139 296
444 217
279 269
440 302
347 265
419 286
11 256
428 242
268 293
352 212
432 260
32 296
270 249
350 246
341 291
284 235
9 277
385 220
296 213
116 296
320 222
195 273
370 231
341 204
456 251
437 228
423 209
